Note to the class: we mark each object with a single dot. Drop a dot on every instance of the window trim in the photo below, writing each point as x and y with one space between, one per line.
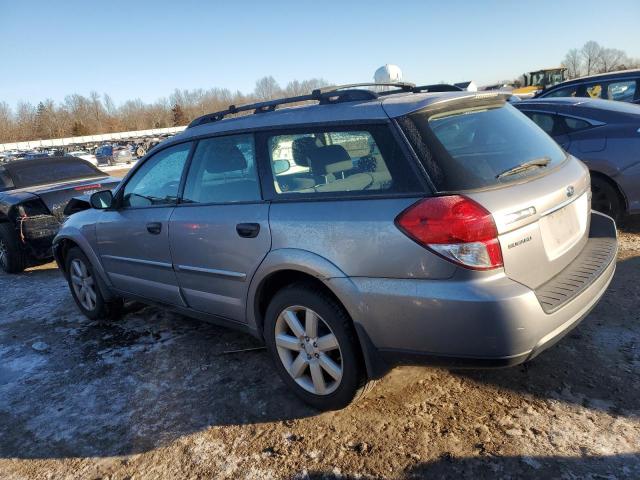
267 178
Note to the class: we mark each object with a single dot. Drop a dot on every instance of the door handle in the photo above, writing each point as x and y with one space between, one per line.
154 228
248 230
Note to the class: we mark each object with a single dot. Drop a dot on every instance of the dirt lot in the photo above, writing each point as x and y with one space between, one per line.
160 396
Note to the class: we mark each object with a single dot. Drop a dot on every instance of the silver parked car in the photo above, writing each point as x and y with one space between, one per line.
355 234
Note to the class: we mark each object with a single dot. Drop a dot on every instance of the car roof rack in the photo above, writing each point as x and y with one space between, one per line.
438 87
326 95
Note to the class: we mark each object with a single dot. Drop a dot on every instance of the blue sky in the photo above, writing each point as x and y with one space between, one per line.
145 49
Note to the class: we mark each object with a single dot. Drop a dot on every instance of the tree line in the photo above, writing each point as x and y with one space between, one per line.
593 58
87 115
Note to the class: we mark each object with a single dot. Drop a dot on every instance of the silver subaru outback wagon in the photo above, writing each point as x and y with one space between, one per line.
358 232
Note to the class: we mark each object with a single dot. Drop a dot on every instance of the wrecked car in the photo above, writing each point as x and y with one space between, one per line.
33 197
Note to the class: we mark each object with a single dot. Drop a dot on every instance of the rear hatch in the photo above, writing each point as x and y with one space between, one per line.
56 196
539 196
57 179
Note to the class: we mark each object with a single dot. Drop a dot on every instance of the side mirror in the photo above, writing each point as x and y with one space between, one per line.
281 166
101 200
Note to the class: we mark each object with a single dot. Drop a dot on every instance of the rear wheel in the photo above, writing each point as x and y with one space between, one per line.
606 198
314 346
83 284
12 258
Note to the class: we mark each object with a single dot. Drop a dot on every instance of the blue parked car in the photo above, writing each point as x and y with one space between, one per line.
104 155
605 135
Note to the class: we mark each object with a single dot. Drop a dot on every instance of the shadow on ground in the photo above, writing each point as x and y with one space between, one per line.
615 466
596 363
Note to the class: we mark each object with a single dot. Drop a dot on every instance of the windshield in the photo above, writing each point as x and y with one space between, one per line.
473 146
26 173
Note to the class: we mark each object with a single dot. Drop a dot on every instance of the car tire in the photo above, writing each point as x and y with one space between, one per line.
327 369
605 198
85 290
12 257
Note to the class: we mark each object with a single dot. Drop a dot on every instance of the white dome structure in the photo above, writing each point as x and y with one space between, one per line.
388 74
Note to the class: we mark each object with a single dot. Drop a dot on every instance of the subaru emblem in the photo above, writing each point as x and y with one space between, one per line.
570 191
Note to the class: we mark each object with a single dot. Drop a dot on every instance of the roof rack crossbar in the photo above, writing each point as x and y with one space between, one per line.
438 87
403 86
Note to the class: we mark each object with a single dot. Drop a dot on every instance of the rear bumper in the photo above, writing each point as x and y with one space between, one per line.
36 234
488 322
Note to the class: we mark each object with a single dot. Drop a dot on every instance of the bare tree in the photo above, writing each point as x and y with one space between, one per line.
591 54
611 59
573 62
80 115
267 88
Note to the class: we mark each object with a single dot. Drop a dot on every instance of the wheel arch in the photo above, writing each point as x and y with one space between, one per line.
288 266
607 178
61 246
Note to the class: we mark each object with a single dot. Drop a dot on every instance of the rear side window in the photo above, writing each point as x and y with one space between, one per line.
223 170
470 147
330 162
575 124
622 91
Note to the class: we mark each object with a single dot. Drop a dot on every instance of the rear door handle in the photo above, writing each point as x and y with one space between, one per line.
154 228
248 230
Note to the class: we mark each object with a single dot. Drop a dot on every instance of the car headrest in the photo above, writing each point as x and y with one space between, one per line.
301 149
224 158
330 159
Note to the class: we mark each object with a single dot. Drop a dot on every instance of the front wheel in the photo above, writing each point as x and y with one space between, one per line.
313 343
12 258
83 284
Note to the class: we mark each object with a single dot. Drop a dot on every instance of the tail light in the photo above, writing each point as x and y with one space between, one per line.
456 228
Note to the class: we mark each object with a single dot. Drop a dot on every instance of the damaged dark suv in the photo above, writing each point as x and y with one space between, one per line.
33 196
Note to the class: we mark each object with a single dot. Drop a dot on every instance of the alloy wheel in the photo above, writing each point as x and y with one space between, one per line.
309 350
83 284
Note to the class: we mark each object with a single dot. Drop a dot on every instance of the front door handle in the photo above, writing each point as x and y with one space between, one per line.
248 230
154 228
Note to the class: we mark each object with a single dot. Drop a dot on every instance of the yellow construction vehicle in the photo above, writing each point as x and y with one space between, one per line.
539 79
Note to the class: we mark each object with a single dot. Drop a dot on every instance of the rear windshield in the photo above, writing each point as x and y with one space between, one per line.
26 173
473 146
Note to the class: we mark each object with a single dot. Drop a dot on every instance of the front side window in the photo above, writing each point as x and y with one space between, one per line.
223 170
326 161
472 146
157 181
562 92
593 90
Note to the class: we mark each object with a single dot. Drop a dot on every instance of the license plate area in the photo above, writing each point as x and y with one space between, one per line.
563 228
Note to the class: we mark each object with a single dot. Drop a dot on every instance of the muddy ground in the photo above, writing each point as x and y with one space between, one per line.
161 396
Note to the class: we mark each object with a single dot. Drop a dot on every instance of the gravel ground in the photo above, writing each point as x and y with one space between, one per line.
157 395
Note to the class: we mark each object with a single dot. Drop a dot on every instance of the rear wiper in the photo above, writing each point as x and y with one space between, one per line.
537 162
